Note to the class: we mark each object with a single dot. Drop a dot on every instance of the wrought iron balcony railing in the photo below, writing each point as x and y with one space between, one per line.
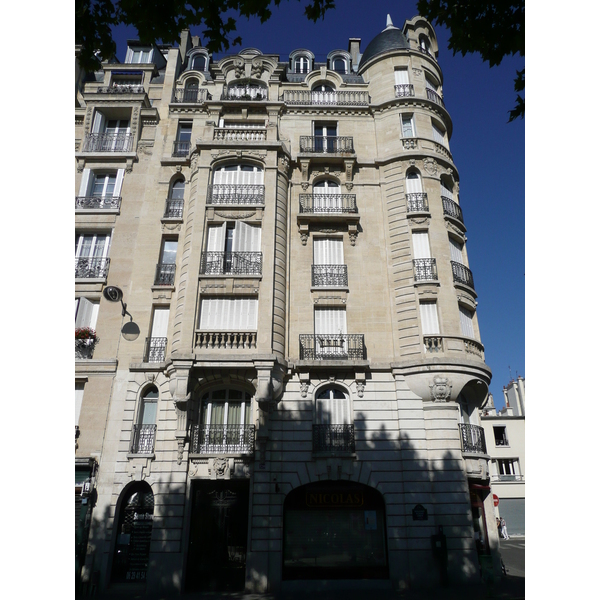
340 98
91 268
165 274
425 269
156 348
84 348
142 439
462 274
225 340
452 209
97 202
328 203
231 263
248 93
339 346
326 144
334 275
417 202
404 89
108 142
117 88
181 148
433 95
239 134
190 96
222 439
235 193
173 209
426 51
333 438
472 438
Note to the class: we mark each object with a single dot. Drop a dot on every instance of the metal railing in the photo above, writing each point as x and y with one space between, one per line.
462 274
426 51
248 93
225 340
433 95
328 203
404 89
97 202
452 209
333 438
190 96
417 202
181 148
156 348
235 193
116 88
339 346
91 268
231 263
142 439
326 144
334 275
472 438
222 439
165 274
340 98
84 348
173 208
108 142
425 269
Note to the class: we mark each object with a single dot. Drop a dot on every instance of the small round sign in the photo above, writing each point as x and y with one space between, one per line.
496 500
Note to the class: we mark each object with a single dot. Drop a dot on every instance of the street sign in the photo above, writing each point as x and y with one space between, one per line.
496 500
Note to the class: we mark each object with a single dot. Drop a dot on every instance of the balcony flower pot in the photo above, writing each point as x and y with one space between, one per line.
86 333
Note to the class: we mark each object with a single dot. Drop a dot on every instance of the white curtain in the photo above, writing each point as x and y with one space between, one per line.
421 244
160 322
429 318
238 174
466 322
328 251
229 314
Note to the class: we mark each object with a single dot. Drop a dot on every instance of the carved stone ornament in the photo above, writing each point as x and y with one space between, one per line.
258 67
238 65
304 389
360 388
304 184
220 467
417 72
304 237
441 389
180 446
352 235
430 166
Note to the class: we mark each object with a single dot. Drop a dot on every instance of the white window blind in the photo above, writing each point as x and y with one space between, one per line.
160 322
246 237
401 76
78 400
413 183
420 241
438 135
238 174
229 314
447 192
456 251
330 320
328 251
429 318
466 322
86 313
333 408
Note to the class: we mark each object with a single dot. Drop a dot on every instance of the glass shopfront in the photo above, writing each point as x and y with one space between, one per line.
334 530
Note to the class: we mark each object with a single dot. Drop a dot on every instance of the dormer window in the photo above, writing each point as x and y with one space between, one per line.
199 62
424 44
301 65
139 55
338 64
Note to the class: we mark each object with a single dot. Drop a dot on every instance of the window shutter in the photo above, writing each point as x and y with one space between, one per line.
429 318
160 322
216 238
438 135
118 182
228 314
330 320
456 251
78 400
328 251
466 322
421 245
99 122
401 76
85 183
246 238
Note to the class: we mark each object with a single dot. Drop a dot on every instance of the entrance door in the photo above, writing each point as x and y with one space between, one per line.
218 536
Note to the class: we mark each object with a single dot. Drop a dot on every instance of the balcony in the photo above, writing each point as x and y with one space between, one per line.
417 202
249 93
142 439
165 274
190 96
403 90
437 344
222 439
462 274
472 438
91 268
116 88
156 349
338 346
452 209
315 144
108 142
181 148
328 203
231 263
335 98
173 209
425 269
435 97
230 193
225 340
97 203
240 134
84 349
329 275
333 438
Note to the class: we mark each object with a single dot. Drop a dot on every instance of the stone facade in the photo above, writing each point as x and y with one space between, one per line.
288 240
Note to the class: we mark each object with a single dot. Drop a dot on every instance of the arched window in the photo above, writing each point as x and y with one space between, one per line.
199 62
237 184
301 64
144 431
134 531
413 183
338 64
333 429
323 94
190 93
424 44
177 189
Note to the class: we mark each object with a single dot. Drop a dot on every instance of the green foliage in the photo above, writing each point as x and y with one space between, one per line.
163 20
493 28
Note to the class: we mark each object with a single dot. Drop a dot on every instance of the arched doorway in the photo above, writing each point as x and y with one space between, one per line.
334 530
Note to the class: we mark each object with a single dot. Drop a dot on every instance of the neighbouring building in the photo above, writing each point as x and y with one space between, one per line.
278 363
505 438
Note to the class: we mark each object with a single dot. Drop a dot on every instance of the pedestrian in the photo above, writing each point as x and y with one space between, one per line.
499 526
504 530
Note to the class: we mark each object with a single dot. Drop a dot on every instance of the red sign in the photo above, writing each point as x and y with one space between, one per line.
496 500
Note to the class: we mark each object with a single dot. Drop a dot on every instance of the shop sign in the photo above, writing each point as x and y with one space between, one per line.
419 513
334 499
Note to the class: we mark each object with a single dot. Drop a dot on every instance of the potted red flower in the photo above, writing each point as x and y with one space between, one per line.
86 333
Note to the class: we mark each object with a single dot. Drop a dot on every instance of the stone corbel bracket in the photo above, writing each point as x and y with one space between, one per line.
269 383
179 374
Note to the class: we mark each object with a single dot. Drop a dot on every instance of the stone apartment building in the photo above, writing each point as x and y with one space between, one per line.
283 377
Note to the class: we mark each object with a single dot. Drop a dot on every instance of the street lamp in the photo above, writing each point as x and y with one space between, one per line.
130 331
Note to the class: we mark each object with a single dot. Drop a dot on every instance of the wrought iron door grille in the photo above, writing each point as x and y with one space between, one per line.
425 269
326 144
97 202
328 203
417 201
462 274
155 349
472 438
231 263
108 142
142 439
339 346
165 274
231 193
181 148
333 438
404 89
335 275
452 209
222 439
91 268
173 209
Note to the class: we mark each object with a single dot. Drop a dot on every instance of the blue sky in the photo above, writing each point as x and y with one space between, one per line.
488 152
